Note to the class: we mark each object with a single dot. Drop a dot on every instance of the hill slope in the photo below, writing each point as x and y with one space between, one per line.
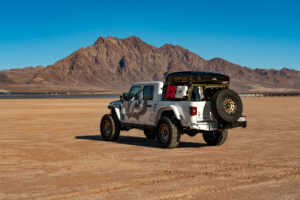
115 63
4 79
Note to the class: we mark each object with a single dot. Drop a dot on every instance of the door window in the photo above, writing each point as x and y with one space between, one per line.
148 92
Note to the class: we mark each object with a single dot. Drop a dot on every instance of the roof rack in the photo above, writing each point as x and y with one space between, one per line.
197 77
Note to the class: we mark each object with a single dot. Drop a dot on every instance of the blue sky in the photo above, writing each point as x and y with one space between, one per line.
257 34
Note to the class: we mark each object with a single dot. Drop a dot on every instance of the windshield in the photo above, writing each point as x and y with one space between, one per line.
134 91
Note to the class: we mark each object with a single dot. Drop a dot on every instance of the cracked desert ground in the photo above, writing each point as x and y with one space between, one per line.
50 149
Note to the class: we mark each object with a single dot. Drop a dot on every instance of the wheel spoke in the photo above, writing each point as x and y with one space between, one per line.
164 132
106 127
229 105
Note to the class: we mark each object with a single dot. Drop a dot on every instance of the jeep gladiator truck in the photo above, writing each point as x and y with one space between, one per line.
189 102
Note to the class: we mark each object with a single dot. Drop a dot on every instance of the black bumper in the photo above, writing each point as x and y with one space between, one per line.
234 124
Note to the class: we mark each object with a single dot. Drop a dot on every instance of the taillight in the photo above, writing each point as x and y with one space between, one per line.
193 110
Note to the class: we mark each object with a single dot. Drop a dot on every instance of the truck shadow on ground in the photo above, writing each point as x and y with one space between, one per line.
140 141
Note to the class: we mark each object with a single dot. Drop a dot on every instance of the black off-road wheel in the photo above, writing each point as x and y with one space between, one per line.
109 127
226 106
150 133
168 135
215 138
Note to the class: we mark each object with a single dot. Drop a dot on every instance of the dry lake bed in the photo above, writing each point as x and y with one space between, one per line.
50 149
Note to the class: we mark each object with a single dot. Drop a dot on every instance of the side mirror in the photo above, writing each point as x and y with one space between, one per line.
125 96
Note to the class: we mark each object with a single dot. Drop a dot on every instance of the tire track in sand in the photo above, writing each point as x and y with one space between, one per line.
291 174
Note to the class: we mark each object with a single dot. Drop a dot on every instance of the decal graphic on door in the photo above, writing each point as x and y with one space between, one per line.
132 109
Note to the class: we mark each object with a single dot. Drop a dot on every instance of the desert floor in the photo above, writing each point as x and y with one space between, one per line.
51 149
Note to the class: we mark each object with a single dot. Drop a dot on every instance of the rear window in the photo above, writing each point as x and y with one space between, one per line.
196 94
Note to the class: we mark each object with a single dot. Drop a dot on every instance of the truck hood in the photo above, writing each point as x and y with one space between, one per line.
115 103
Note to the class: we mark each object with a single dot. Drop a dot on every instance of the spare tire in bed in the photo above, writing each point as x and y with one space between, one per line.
226 106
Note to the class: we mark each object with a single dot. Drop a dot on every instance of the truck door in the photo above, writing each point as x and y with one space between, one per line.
132 106
148 106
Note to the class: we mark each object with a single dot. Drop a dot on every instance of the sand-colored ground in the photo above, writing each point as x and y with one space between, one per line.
50 149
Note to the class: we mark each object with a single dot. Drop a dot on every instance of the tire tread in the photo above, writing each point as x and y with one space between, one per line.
221 138
217 107
174 132
115 127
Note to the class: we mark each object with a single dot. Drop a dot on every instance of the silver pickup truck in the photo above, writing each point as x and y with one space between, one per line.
186 103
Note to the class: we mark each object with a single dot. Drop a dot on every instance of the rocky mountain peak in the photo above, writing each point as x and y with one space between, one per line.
116 63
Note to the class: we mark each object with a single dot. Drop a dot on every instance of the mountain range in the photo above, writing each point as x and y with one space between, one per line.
113 64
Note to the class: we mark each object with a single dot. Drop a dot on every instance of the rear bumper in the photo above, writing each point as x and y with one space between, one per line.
212 126
205 126
241 122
